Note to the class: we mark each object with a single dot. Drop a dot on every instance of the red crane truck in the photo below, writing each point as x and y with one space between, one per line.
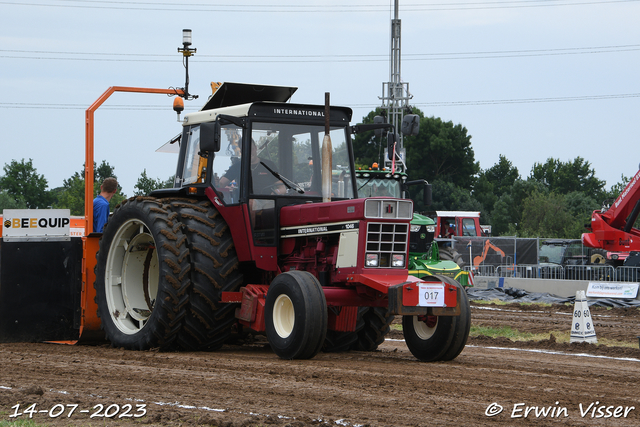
612 227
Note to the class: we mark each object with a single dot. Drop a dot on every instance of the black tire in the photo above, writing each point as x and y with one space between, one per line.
296 315
439 338
377 324
463 323
450 254
339 341
344 341
214 269
142 276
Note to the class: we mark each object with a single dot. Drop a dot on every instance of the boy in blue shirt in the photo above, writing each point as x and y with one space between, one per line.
108 189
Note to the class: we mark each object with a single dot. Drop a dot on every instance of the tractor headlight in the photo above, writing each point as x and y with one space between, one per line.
371 260
431 228
397 260
415 228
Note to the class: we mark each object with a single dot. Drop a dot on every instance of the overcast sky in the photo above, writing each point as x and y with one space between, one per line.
528 79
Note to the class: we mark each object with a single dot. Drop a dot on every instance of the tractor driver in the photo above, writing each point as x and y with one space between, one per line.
263 181
451 230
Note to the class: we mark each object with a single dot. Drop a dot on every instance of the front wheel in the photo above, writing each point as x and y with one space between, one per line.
439 338
450 254
296 315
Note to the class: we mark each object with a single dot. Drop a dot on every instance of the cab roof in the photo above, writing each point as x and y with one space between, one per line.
230 94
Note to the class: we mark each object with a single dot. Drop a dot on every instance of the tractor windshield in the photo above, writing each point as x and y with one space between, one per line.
292 155
379 183
376 187
551 253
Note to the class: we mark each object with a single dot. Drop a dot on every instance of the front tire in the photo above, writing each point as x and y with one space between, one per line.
296 315
439 338
142 276
450 254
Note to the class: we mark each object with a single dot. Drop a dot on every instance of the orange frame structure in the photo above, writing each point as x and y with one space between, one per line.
90 242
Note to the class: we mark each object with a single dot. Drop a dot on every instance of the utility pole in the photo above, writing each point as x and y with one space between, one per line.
395 93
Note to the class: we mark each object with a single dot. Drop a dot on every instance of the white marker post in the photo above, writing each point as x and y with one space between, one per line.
582 326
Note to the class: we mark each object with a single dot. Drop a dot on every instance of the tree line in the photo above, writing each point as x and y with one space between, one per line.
22 187
555 200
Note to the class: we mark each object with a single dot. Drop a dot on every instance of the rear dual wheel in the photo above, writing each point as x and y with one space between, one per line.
142 278
372 325
377 324
214 269
439 338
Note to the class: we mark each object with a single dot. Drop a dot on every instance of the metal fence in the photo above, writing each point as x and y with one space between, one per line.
603 273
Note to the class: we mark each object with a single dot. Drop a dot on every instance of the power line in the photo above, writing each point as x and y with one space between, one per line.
527 100
40 58
510 5
52 52
132 57
322 8
29 105
7 105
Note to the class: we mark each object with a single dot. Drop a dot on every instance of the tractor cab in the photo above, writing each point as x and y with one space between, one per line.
457 223
262 156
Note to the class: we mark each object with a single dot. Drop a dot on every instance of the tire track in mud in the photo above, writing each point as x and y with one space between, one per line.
249 385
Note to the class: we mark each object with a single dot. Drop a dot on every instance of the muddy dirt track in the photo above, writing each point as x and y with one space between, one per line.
250 386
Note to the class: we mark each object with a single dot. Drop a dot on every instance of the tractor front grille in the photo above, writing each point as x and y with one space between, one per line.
386 240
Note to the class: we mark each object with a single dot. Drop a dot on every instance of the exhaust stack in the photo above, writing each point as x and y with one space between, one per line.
326 153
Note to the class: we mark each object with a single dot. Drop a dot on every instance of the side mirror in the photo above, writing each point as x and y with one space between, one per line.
391 143
410 124
210 137
426 194
377 120
426 190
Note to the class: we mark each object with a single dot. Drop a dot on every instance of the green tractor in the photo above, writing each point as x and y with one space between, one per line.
425 256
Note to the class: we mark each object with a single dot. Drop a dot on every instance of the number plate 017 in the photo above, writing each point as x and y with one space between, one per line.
431 295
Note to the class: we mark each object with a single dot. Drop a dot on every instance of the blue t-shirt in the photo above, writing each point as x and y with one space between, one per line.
100 213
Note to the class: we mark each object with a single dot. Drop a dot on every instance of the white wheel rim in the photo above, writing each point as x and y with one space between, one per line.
423 331
284 316
131 277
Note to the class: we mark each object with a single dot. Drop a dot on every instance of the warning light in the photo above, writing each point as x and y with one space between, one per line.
178 106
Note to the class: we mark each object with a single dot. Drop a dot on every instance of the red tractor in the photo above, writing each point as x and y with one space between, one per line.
258 236
612 228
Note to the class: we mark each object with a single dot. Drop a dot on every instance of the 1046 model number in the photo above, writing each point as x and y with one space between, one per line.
98 411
